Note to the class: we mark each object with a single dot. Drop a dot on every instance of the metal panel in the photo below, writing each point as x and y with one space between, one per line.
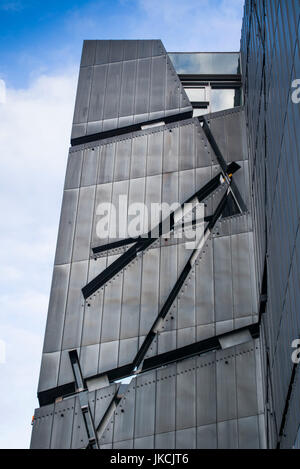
165 400
186 336
42 426
83 95
149 293
66 227
206 391
186 147
127 350
111 106
138 157
84 220
144 443
108 356
233 131
223 278
186 298
124 416
142 89
155 151
88 53
75 305
93 309
89 167
122 163
73 172
172 89
130 50
103 196
226 386
204 153
116 51
186 394
145 405
241 275
102 52
186 439
248 433
79 434
186 184
62 424
49 370
171 149
166 341
131 301
158 82
246 382
127 90
118 224
136 219
56 310
227 434
106 163
112 309
89 360
205 287
165 440
103 400
168 274
207 437
66 374
96 104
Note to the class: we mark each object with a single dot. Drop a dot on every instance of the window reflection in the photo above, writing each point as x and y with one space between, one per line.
222 99
214 63
197 94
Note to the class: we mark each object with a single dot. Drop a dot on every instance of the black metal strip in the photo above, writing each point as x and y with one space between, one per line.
203 346
188 351
115 267
287 403
176 289
114 245
200 104
210 77
143 243
50 395
128 129
83 400
222 162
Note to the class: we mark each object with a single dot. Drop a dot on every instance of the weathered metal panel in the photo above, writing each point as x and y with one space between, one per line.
66 227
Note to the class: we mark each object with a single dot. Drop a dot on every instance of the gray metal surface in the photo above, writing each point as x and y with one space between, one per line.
118 88
270 63
196 402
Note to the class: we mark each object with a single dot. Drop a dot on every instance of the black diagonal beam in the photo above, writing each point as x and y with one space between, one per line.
141 244
83 400
235 192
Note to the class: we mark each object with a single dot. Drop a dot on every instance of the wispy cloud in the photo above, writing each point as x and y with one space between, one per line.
34 138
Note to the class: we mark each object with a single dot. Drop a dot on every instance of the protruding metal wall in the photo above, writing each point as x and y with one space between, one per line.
122 83
270 64
193 401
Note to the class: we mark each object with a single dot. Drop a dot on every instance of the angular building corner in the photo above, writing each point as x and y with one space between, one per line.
152 343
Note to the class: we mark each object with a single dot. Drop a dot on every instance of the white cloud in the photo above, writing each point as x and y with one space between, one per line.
2 92
34 139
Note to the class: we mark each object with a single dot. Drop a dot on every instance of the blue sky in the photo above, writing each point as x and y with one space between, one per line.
40 47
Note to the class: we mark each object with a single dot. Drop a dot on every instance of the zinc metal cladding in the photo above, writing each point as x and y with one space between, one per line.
164 164
203 402
270 63
122 83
